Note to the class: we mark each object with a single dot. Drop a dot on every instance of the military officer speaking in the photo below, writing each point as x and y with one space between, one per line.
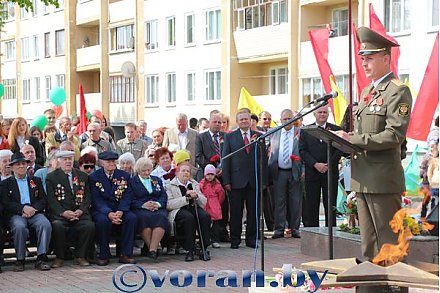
380 126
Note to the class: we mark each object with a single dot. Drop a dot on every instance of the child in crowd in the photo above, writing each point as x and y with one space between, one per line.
213 190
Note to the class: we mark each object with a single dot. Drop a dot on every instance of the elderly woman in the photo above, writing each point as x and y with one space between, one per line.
165 169
51 165
126 163
87 163
185 206
149 205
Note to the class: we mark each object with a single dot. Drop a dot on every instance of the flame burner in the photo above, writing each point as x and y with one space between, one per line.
369 277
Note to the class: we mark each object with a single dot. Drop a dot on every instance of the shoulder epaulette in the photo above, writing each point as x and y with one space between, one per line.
397 82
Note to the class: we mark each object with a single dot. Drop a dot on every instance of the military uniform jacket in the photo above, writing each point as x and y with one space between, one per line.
380 127
137 147
11 200
61 197
110 196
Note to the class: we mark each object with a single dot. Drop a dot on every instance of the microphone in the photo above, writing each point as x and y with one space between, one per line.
326 97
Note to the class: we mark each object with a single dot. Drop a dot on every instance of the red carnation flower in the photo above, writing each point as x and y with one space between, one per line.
214 159
295 158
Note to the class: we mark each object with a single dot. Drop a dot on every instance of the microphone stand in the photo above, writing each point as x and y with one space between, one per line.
261 144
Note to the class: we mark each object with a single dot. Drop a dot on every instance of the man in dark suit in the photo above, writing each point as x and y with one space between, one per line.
24 201
239 179
286 168
29 153
69 199
314 154
209 146
111 201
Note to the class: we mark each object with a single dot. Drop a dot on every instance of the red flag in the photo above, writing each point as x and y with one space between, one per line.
427 99
82 127
319 40
361 80
377 26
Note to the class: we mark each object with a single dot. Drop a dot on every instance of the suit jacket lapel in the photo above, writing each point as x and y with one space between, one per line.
15 190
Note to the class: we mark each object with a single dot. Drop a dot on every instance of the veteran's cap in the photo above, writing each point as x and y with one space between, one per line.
64 154
108 156
372 42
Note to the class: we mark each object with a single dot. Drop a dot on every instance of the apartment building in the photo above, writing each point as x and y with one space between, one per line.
150 59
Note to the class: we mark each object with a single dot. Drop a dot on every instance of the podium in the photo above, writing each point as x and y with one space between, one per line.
341 144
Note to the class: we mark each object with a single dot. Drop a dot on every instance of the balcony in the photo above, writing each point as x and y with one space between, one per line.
93 101
88 58
122 10
87 12
263 44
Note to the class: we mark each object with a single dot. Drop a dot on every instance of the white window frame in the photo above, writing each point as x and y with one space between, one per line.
152 90
213 28
37 88
405 20
26 90
9 7
215 94
122 38
10 50
24 14
122 89
47 45
35 4
60 45
275 76
47 86
61 7
36 47
60 80
434 8
171 31
25 54
315 90
46 9
190 29
275 13
171 80
241 19
10 89
337 26
151 35
190 89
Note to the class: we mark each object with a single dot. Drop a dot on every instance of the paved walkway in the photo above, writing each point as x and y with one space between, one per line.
71 278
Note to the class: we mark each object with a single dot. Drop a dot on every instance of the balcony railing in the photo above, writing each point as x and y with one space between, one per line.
88 58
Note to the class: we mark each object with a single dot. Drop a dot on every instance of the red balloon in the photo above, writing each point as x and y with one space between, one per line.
96 113
58 110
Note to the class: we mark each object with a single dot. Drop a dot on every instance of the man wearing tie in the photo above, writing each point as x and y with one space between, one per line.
24 201
111 202
239 179
286 168
29 153
69 199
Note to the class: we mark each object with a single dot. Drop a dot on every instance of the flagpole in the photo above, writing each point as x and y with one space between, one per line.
350 70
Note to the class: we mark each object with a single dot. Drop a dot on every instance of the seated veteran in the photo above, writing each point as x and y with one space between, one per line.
185 207
24 201
149 205
69 199
111 201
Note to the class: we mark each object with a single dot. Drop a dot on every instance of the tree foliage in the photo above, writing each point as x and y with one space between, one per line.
27 4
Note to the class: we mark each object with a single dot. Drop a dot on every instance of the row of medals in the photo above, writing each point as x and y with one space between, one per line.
375 105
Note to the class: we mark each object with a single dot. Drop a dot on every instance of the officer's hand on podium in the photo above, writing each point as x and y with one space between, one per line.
342 134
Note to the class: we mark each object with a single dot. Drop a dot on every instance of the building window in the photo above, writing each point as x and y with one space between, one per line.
60 80
312 89
47 86
278 81
46 9
253 14
61 5
171 87
190 87
59 43
35 44
151 90
122 38
171 31
26 89
397 15
25 49
24 14
434 13
213 25
10 89
47 45
151 39
10 50
9 11
35 4
340 22
37 88
122 89
213 85
190 29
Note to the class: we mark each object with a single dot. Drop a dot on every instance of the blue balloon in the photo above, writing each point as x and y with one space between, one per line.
57 96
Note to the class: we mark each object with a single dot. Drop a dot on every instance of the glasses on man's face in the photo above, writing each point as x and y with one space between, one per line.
86 167
267 118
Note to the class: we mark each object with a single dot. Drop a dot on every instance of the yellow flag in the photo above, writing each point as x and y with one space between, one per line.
246 100
414 93
339 103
